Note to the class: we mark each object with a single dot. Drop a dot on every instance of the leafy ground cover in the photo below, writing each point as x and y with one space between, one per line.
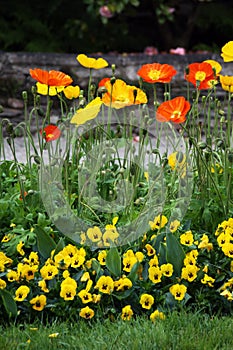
122 210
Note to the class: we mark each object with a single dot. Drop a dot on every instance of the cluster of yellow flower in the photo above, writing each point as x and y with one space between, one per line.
31 275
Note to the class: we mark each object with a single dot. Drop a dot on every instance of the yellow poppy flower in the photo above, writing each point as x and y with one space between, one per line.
120 95
89 112
71 92
227 82
217 66
44 89
227 52
90 62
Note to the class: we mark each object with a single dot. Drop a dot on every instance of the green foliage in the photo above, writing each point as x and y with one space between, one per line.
113 262
55 26
9 303
175 253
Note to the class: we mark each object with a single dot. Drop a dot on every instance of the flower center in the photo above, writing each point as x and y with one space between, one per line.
175 114
200 75
154 74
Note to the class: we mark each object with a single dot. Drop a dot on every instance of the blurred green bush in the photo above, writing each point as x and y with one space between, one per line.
124 26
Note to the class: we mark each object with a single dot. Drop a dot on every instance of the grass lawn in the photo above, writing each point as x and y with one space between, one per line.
184 331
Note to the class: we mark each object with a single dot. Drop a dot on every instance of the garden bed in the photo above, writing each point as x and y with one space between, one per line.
122 208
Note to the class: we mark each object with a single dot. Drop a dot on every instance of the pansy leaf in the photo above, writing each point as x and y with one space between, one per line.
60 245
113 262
175 253
8 302
45 243
133 275
123 295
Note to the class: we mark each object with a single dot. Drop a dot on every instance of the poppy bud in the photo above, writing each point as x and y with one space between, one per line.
155 151
113 68
34 90
38 100
194 95
9 128
222 120
207 155
203 99
221 112
112 80
102 90
25 95
202 145
220 143
37 159
40 112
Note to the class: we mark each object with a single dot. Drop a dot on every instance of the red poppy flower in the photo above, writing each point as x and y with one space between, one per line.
51 133
157 73
174 110
200 75
51 78
23 195
103 82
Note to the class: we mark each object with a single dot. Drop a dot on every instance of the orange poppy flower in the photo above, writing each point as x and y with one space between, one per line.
174 110
157 73
51 78
201 75
51 133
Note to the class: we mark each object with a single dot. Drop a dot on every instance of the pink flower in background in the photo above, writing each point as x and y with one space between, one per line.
178 51
105 11
151 50
171 9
